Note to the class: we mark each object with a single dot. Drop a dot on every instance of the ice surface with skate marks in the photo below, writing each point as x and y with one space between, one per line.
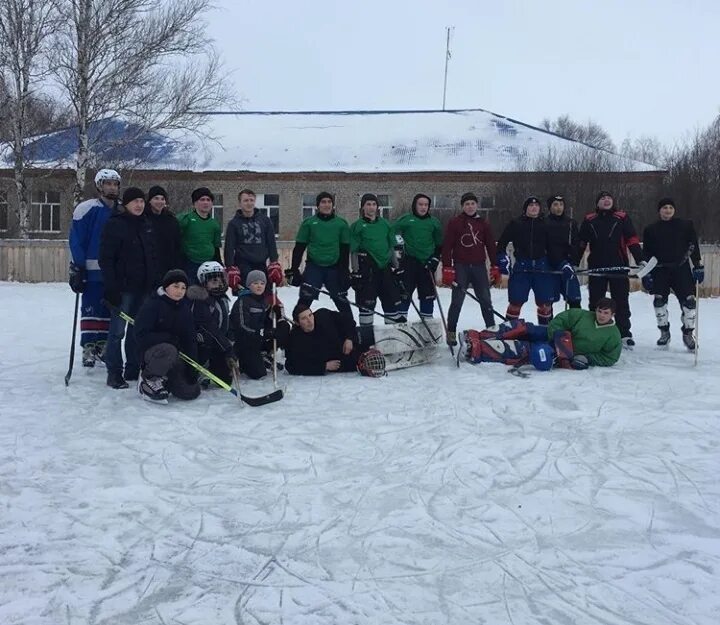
434 495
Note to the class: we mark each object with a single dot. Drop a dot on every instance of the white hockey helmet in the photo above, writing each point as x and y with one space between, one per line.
212 269
106 174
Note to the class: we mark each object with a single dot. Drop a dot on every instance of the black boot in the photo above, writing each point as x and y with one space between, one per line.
664 336
116 380
689 339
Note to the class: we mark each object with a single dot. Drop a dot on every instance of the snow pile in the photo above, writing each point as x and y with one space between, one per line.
434 495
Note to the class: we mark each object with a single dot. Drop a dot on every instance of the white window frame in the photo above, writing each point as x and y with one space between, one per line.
220 205
5 207
262 205
40 207
304 206
385 208
445 195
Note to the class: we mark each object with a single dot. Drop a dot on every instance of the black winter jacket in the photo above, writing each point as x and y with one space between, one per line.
168 241
610 234
163 320
670 241
128 257
249 318
212 317
563 242
307 352
529 237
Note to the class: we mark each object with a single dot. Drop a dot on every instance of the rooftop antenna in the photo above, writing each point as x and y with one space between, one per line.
448 56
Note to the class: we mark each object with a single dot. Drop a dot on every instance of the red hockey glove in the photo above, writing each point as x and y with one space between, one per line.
234 278
275 273
448 276
495 275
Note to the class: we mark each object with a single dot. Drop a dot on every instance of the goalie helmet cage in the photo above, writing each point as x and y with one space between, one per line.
372 364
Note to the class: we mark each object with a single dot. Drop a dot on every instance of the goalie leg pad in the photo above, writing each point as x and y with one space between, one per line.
689 312
562 340
661 311
505 352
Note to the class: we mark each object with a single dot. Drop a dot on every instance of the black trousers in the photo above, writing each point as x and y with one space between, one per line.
678 279
477 277
619 291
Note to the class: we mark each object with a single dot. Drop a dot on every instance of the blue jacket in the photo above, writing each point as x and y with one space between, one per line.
89 218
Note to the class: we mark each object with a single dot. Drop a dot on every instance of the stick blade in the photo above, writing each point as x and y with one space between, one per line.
262 400
649 266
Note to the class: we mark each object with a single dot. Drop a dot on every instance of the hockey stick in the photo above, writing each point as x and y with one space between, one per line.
697 320
274 342
72 344
403 292
442 314
347 300
627 271
250 401
477 299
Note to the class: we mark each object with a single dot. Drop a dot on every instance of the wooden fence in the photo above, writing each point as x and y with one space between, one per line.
47 261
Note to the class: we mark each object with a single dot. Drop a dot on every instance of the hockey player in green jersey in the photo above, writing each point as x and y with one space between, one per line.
422 234
326 238
375 267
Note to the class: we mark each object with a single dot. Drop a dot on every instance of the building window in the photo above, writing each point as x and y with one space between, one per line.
308 205
269 203
487 202
3 210
218 207
45 211
385 205
443 202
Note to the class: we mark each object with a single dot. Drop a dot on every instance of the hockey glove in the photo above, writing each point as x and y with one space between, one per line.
275 273
699 274
647 282
495 275
448 276
432 264
568 271
503 263
234 279
294 276
77 278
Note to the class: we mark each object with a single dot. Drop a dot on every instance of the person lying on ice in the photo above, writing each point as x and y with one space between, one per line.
575 339
325 341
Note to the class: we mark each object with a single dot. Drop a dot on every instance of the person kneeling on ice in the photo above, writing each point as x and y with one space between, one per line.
325 341
164 327
574 339
251 324
210 307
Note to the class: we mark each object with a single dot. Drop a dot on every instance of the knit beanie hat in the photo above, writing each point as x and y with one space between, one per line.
467 196
603 194
130 194
255 276
324 195
173 276
157 190
531 200
664 201
368 197
201 192
556 198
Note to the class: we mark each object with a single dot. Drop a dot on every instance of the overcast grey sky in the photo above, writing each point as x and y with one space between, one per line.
634 66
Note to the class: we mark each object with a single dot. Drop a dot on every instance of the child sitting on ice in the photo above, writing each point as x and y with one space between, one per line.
164 327
210 307
251 324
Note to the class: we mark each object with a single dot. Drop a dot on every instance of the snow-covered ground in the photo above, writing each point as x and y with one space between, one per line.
434 495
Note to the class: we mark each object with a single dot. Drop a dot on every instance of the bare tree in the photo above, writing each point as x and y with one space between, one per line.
590 133
162 73
645 149
24 29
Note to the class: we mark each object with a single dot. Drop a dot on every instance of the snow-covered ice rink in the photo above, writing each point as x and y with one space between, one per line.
435 495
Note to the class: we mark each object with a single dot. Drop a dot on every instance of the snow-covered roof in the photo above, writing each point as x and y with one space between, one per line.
472 140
